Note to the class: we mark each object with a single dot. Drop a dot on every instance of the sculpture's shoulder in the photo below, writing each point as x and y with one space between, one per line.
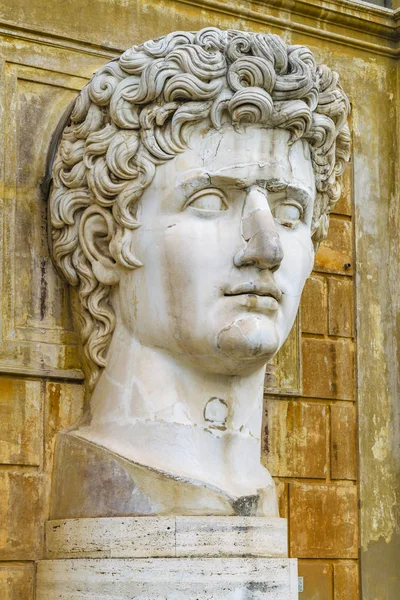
92 481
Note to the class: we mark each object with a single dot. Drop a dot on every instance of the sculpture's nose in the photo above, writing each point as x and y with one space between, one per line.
263 246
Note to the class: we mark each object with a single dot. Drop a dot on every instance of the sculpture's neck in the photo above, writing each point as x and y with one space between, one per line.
142 383
198 423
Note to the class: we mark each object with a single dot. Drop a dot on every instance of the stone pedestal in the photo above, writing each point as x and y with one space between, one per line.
168 558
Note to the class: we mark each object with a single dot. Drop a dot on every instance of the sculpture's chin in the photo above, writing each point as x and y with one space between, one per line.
249 337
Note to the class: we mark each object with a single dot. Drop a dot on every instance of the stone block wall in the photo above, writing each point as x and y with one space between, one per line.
33 411
310 438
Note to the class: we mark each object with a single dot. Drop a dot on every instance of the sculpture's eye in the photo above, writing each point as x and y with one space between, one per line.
289 213
209 199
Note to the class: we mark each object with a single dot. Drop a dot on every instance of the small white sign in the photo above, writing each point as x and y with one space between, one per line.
301 584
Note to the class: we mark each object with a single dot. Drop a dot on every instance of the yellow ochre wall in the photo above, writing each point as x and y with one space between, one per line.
330 434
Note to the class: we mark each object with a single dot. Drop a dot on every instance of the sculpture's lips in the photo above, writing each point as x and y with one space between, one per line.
256 288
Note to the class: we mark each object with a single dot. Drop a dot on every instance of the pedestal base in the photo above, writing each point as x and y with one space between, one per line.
178 558
168 578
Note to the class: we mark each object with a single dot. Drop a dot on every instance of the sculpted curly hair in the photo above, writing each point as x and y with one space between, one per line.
133 116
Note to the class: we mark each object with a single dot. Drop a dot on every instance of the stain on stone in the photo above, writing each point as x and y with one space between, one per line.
260 586
43 288
246 506
265 437
333 382
216 412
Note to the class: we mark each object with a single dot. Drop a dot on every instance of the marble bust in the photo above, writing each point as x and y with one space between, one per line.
190 188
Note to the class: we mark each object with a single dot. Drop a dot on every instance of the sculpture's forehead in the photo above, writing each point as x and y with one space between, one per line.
253 154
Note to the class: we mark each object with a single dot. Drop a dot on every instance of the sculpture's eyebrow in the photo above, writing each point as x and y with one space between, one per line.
196 182
273 185
290 190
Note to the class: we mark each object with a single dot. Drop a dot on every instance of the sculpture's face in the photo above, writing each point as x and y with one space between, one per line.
226 248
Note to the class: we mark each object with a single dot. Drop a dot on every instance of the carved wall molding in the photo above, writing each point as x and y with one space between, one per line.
37 335
360 22
8 30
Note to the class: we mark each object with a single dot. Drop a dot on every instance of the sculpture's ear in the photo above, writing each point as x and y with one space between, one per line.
96 232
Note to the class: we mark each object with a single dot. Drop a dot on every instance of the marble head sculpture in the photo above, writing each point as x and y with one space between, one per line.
191 187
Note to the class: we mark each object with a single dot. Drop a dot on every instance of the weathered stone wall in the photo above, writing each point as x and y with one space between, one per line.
310 436
48 52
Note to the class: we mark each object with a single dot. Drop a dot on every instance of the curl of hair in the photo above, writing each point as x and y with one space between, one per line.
135 114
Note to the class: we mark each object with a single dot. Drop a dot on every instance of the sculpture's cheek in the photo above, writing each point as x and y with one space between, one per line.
298 259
